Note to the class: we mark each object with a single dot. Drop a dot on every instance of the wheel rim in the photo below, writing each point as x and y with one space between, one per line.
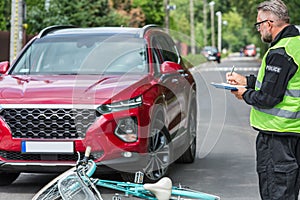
159 155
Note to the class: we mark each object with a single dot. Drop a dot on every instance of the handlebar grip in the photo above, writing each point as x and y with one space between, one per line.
87 152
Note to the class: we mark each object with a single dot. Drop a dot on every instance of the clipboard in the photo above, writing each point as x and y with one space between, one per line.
226 86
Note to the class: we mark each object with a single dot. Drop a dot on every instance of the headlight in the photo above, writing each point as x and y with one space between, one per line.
127 129
121 105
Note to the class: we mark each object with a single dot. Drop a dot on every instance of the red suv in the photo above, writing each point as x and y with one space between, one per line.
126 92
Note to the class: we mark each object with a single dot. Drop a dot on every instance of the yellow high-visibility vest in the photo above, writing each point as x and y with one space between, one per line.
285 116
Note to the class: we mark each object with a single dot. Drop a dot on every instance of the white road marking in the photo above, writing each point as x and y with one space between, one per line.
226 69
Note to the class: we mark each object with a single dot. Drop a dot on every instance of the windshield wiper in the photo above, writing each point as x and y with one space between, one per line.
68 73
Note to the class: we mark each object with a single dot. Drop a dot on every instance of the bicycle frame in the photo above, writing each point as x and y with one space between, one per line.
138 190
78 183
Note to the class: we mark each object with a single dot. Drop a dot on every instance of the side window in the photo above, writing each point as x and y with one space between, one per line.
156 63
157 56
168 49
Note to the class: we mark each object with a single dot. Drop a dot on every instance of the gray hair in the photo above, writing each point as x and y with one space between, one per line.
277 8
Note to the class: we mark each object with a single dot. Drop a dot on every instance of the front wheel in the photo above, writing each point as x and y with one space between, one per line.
159 152
50 191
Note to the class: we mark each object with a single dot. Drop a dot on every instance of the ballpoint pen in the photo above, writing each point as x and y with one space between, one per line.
232 70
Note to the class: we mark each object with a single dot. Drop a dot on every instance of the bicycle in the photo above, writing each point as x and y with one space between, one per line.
77 183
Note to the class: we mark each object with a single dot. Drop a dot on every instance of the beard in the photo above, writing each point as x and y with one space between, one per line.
267 38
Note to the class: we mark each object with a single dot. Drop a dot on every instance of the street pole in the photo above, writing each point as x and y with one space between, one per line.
219 14
212 18
47 5
193 43
166 4
204 23
16 31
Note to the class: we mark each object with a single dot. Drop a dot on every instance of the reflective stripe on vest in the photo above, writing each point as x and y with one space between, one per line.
291 93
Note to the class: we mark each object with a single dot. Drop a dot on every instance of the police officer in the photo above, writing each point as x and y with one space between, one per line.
275 99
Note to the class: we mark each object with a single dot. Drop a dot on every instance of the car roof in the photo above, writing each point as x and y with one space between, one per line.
61 30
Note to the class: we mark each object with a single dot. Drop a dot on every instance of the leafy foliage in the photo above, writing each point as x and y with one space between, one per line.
4 14
153 10
81 13
240 16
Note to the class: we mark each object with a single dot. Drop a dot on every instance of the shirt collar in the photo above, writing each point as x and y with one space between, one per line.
288 31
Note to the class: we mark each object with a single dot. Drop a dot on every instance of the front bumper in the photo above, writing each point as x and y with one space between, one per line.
133 163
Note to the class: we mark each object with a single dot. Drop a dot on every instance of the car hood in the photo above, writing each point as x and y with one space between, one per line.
70 89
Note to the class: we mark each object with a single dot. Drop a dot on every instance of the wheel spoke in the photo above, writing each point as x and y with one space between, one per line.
159 155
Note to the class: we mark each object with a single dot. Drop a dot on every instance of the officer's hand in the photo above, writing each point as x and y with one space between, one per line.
239 93
236 79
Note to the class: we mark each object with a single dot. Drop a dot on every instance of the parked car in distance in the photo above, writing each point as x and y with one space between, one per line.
211 53
126 92
250 50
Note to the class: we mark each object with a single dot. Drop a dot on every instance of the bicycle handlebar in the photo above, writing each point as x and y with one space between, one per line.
87 152
86 157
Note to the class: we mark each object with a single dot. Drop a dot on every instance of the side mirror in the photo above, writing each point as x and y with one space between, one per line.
4 66
170 68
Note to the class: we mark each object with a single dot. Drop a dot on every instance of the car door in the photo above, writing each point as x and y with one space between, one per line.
175 84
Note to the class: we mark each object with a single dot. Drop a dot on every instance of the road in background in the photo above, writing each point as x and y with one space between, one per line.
226 150
225 163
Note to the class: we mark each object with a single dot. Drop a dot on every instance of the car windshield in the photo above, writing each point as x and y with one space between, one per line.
88 54
211 49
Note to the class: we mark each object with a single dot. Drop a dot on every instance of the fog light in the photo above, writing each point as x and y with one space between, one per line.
127 154
127 129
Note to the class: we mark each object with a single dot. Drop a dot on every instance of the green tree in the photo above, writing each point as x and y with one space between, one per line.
153 10
247 10
81 13
239 14
233 31
4 15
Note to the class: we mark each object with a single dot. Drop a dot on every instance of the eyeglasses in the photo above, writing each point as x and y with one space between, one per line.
257 25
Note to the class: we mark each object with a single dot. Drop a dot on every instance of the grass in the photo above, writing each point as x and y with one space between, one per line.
196 59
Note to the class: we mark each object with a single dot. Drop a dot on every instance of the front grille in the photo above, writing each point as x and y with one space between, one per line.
37 157
9 155
48 123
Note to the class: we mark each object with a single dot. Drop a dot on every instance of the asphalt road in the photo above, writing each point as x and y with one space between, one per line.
225 163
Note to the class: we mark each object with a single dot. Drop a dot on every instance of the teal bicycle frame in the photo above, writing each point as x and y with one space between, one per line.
78 183
138 190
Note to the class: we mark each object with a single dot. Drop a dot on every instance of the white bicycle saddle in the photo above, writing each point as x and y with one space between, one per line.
161 189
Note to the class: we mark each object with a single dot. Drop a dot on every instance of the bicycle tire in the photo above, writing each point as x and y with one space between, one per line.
186 193
50 191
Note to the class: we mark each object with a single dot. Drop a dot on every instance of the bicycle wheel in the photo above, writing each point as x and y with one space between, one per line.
73 187
50 191
185 194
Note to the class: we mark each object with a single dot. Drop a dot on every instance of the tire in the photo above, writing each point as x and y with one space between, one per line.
8 178
159 153
50 191
189 155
